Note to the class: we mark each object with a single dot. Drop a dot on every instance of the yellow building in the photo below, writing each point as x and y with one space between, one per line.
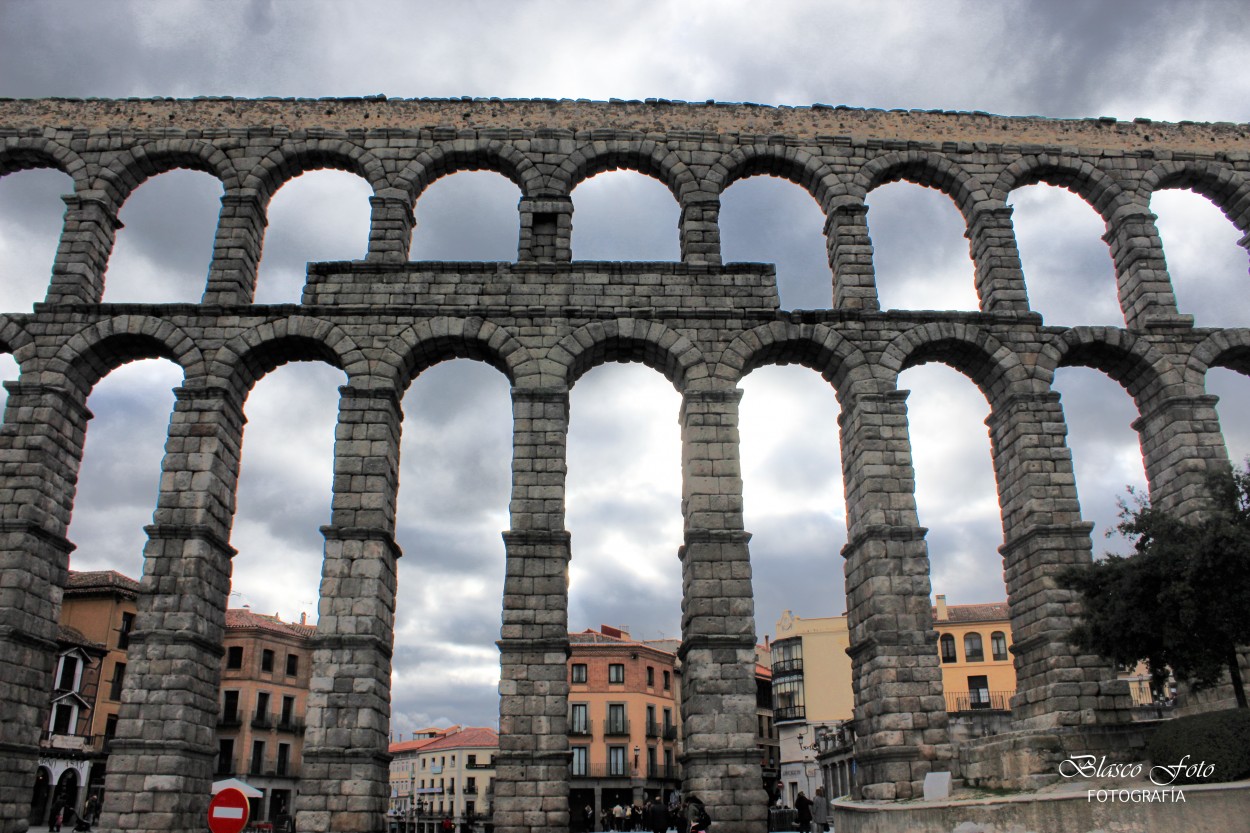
811 693
445 773
973 645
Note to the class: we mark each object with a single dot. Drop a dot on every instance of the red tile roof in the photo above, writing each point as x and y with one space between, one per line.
997 611
81 583
477 737
73 636
239 618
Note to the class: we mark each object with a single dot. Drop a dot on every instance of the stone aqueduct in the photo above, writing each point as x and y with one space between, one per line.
543 321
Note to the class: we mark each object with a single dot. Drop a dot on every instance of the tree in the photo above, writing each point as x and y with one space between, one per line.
1181 601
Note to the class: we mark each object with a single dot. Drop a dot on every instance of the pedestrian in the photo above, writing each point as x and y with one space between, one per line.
54 818
618 816
657 816
588 818
803 805
820 812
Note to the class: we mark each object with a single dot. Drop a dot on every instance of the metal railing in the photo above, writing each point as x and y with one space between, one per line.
601 771
616 726
979 700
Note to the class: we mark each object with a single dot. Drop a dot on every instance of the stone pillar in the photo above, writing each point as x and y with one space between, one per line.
345 779
532 768
82 256
40 450
546 229
1044 534
1181 444
850 257
699 229
992 244
1141 272
236 250
720 761
160 767
391 223
900 714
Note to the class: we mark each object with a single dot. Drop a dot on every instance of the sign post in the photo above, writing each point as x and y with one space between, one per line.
228 811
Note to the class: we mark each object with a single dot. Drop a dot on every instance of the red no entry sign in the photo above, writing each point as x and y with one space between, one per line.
228 811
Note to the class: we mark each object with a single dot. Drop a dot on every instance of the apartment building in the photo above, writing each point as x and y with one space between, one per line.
264 694
445 773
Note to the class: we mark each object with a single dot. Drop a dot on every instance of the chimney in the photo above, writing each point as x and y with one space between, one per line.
941 607
303 618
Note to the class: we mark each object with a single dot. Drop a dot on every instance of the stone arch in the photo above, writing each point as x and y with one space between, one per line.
247 357
92 353
1224 348
931 170
421 346
629 340
789 163
130 170
1134 363
649 158
815 346
294 158
15 340
449 158
992 366
36 152
1086 180
1225 187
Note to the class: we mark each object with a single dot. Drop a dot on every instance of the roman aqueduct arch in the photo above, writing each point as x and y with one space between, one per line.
543 320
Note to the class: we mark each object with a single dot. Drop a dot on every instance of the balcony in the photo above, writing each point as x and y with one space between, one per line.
616 726
789 713
580 728
601 771
229 720
788 666
660 772
64 740
262 721
979 700
291 724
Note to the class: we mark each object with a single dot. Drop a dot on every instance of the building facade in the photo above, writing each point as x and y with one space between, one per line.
974 642
445 773
264 695
97 616
624 720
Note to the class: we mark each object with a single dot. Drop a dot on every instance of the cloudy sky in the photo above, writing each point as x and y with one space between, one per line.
1161 60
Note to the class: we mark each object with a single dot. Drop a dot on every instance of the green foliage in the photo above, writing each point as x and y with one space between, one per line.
1180 601
1220 739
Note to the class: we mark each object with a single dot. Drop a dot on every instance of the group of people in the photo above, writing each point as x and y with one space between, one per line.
63 814
812 813
686 816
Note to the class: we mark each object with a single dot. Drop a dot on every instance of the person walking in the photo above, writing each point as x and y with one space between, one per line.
804 818
656 816
820 812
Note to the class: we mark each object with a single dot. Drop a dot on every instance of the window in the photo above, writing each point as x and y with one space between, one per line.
110 727
667 681
579 719
470 786
616 760
230 706
471 761
258 757
262 707
69 674
652 728
288 710
650 677
948 648
579 672
580 760
225 756
616 673
617 725
651 762
63 719
292 665
119 677
266 660
788 700
998 645
979 692
973 651
668 722
284 758
234 656
123 633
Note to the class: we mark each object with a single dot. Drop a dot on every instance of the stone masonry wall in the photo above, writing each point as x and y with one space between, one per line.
543 322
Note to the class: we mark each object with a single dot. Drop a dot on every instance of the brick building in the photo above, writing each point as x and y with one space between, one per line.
264 695
624 705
